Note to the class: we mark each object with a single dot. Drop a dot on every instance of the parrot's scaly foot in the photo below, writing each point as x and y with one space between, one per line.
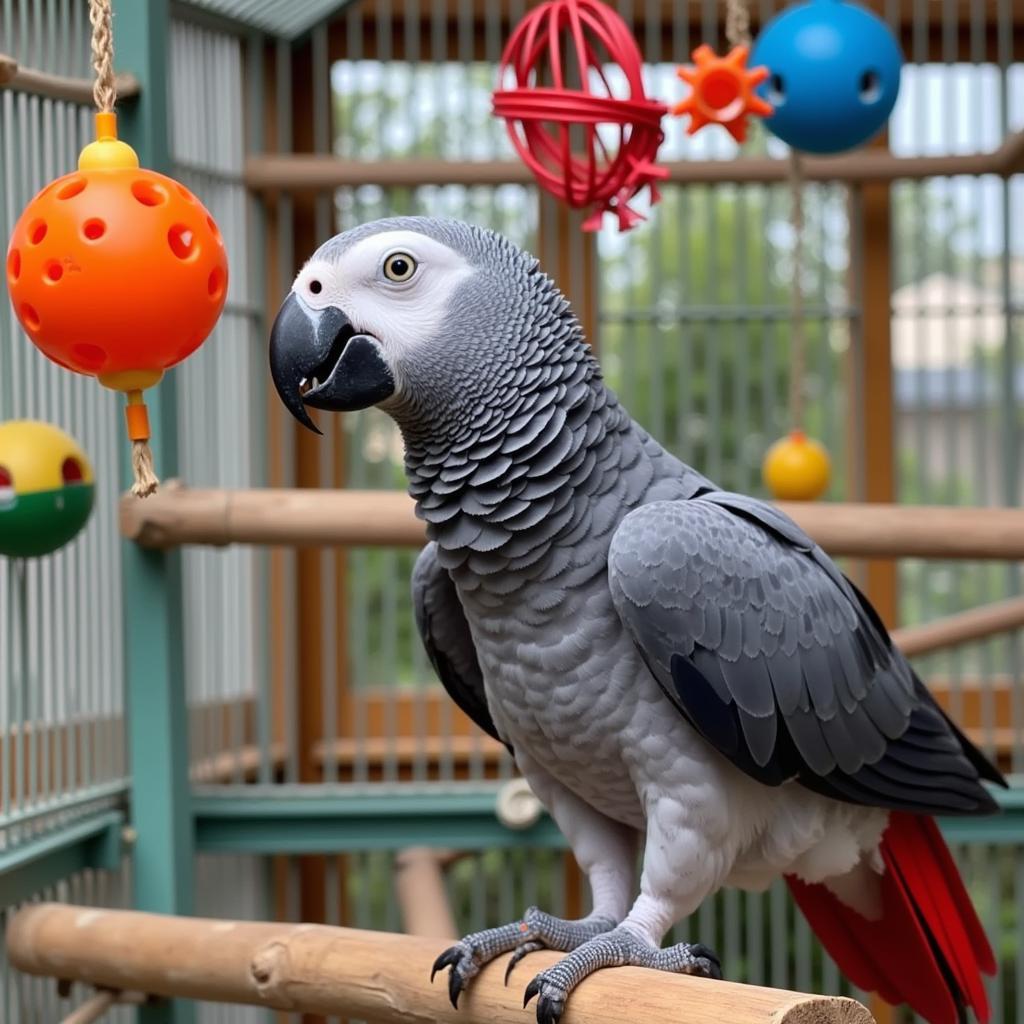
544 931
617 948
536 930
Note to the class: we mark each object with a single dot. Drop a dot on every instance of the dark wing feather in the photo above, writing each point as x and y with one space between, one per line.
446 637
780 663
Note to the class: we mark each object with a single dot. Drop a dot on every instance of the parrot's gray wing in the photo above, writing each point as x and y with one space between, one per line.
447 639
779 662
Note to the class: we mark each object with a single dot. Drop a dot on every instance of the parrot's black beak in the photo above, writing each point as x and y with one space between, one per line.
320 361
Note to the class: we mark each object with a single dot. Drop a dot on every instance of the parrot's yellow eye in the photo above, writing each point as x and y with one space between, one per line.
399 267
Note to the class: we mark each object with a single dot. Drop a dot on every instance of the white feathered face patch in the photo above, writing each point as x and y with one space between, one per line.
394 287
345 335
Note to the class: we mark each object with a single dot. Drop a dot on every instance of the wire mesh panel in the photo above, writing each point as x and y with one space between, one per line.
219 416
387 717
694 331
61 670
957 248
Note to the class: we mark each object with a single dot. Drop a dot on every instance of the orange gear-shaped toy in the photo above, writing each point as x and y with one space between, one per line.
723 91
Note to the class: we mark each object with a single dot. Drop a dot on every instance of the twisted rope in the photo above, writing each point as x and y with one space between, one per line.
797 362
104 90
737 23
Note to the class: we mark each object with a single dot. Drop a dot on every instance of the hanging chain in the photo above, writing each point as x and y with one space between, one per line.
797 360
737 23
104 89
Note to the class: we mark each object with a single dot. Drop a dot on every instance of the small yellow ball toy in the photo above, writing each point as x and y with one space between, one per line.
796 468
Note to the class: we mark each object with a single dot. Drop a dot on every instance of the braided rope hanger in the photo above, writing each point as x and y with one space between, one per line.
737 32
104 93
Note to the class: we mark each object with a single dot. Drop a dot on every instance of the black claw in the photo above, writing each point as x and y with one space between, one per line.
454 987
531 990
699 949
449 956
549 1009
706 953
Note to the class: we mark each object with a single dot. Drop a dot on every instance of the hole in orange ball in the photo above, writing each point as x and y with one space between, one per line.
149 194
212 225
73 188
185 194
13 265
54 271
93 229
37 231
30 317
182 241
58 360
91 357
215 284
71 471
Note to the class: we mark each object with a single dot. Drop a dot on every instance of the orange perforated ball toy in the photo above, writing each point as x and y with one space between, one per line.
116 271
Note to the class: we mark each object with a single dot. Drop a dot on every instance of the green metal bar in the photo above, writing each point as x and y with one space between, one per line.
154 672
320 819
324 819
65 802
31 866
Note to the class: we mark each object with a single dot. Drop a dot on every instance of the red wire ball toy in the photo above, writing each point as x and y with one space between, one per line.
563 40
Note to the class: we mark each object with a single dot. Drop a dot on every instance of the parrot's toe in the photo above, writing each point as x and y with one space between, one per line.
523 949
616 948
469 954
462 960
550 1001
695 959
545 931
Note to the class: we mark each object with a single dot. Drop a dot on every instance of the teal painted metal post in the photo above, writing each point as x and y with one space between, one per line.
157 712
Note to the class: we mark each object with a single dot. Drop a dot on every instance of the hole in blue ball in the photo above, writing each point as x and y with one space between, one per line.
776 91
870 87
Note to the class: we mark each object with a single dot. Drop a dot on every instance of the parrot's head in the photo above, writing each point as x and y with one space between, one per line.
414 314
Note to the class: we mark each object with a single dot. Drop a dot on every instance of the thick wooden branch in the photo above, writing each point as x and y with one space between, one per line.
312 173
378 977
961 628
310 517
57 87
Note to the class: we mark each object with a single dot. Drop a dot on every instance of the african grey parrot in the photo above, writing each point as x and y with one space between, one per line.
679 671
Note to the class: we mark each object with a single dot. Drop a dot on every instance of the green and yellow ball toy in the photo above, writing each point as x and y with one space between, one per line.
46 488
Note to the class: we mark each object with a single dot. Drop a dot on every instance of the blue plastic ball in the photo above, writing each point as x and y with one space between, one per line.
835 74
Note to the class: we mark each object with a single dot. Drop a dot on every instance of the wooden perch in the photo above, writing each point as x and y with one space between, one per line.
57 87
421 894
961 628
313 173
310 518
374 976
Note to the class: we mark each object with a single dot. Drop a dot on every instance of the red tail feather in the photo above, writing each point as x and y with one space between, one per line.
928 949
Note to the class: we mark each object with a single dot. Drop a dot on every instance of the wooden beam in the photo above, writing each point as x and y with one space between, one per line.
310 619
373 976
58 87
874 406
964 627
303 173
421 893
442 27
311 518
